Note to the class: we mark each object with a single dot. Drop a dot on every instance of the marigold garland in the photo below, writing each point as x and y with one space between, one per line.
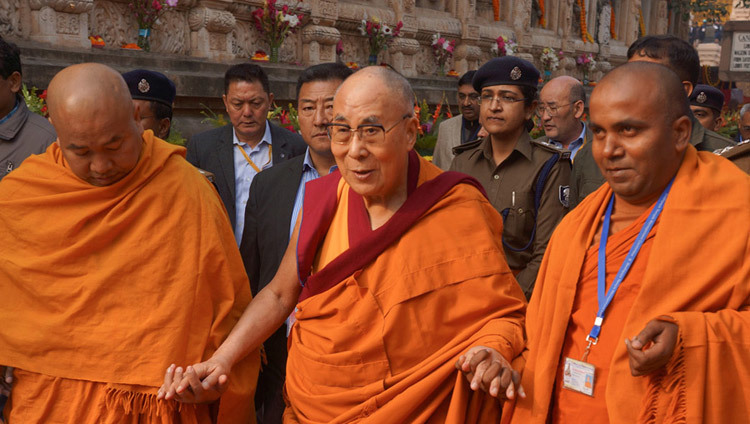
612 21
496 9
642 27
542 21
585 36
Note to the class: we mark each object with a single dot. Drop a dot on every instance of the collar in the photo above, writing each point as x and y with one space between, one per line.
523 146
581 138
11 113
307 163
266 138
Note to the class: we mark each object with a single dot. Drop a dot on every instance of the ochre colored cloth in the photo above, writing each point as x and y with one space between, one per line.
381 346
109 285
697 272
569 406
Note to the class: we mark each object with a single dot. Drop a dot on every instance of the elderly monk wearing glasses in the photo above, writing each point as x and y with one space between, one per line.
396 276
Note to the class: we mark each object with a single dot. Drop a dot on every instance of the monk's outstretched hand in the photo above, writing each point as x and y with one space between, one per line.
200 383
652 348
486 369
6 380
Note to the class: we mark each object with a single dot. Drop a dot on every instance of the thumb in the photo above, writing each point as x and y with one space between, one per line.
646 335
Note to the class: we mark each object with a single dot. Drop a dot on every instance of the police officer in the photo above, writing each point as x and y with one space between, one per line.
525 180
153 93
706 103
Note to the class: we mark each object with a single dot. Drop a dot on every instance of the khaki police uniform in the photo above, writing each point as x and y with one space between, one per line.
510 187
739 155
586 176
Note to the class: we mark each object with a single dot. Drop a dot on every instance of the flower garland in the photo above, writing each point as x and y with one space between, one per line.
612 21
542 22
585 36
496 9
707 76
641 25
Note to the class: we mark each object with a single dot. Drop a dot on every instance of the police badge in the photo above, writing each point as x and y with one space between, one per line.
515 73
143 86
701 97
564 195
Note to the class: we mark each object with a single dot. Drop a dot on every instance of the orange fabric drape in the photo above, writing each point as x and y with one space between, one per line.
381 345
112 284
712 354
496 9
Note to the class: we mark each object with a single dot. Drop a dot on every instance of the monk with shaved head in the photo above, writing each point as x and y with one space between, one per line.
627 324
119 258
396 276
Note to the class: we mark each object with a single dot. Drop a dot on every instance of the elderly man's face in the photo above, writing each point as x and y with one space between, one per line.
634 140
560 117
503 109
100 149
315 109
745 126
468 102
247 105
374 161
707 117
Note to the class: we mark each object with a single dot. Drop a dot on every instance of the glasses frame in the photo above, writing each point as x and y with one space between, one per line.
548 108
359 130
502 100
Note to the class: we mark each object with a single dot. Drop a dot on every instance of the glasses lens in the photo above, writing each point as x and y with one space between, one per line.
371 134
339 134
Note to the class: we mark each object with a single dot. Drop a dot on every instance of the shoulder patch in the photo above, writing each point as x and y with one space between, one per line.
564 195
549 147
731 151
467 146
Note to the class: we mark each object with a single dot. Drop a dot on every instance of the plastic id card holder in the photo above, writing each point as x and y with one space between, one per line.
578 376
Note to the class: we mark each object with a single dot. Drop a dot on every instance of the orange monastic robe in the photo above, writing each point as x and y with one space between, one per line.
381 345
697 271
103 287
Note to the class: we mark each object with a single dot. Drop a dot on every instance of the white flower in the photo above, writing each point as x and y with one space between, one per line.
435 38
292 19
387 30
493 49
446 44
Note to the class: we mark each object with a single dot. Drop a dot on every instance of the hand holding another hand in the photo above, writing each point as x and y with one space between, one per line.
200 383
487 369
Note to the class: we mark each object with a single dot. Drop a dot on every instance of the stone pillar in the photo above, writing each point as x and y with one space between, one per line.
466 57
61 22
319 44
402 52
210 25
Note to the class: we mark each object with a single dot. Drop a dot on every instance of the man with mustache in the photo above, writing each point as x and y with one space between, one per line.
276 196
236 152
459 129
525 180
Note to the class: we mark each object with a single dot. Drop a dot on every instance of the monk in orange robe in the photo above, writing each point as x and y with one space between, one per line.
681 310
397 272
118 257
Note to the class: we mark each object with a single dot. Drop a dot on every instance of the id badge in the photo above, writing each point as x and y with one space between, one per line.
578 376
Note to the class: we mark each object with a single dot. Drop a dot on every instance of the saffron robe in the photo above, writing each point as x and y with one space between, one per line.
698 272
104 287
381 344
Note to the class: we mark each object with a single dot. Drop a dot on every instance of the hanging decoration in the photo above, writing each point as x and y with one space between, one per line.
707 76
641 25
585 36
612 21
496 9
542 21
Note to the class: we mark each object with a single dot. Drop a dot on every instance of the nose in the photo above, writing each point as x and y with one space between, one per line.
357 147
610 146
100 165
247 110
321 117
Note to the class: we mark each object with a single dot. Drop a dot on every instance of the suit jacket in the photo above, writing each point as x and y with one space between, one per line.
449 136
213 151
267 220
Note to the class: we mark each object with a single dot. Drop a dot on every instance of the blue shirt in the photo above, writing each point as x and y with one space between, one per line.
309 173
244 174
574 145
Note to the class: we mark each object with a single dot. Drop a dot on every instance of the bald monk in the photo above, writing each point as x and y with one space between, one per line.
672 344
385 306
110 271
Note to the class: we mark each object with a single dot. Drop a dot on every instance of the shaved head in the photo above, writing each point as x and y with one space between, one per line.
641 125
398 87
97 127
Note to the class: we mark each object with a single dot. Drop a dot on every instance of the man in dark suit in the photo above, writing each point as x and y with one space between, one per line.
236 153
275 202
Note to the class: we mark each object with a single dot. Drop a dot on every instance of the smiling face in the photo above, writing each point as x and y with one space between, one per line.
638 143
247 105
315 109
507 114
377 170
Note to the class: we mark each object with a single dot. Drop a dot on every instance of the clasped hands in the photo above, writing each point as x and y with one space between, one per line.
200 383
486 369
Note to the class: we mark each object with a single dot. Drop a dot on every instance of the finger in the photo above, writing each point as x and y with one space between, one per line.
636 359
168 378
651 330
460 362
478 358
9 375
476 382
178 382
493 370
466 366
223 383
194 381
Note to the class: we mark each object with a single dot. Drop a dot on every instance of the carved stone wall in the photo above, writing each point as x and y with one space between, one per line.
222 30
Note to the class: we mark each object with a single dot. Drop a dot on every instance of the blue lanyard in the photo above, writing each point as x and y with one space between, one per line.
11 113
605 300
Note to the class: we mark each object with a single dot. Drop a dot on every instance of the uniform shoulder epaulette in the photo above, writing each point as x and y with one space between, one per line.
730 151
551 148
467 146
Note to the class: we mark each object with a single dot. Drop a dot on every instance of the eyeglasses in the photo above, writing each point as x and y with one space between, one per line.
473 97
503 100
551 109
367 133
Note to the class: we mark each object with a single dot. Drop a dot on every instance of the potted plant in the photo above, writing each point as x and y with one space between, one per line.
587 64
379 35
550 61
275 24
442 49
147 14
